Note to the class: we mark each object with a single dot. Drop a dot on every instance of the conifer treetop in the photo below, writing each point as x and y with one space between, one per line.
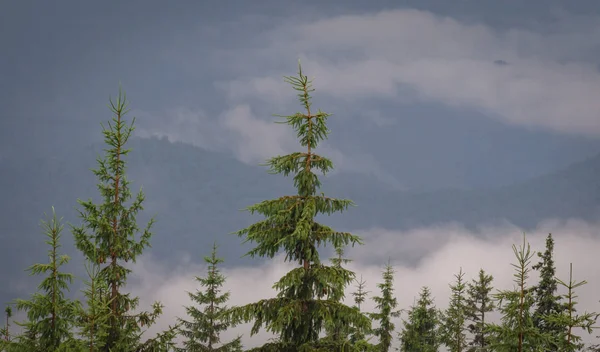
202 331
110 235
307 295
517 331
360 295
453 322
386 306
49 313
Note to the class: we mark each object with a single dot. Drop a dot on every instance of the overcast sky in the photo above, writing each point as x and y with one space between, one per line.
425 94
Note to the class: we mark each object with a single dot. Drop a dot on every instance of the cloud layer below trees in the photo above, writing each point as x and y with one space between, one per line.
421 257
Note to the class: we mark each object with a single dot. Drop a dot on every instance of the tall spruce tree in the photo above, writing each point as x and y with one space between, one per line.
565 320
202 331
307 295
50 315
516 331
479 304
420 331
547 301
386 305
453 323
108 236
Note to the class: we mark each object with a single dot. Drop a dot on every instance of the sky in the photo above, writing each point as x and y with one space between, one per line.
424 94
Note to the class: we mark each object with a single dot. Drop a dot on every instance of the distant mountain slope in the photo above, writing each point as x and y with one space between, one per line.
571 192
196 196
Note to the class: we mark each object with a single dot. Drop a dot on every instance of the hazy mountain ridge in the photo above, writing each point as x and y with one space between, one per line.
196 196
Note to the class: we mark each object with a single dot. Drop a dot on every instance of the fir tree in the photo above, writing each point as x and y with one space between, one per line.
517 332
420 331
108 236
203 330
566 319
453 324
307 295
547 302
479 303
386 305
50 314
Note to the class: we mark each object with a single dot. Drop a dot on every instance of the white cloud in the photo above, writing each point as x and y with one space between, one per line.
251 139
255 139
544 84
406 57
236 130
181 125
441 251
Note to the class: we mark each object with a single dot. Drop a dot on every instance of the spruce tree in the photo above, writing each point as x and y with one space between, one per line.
50 314
307 295
336 330
453 324
358 336
479 303
93 320
360 295
203 329
566 319
109 236
420 331
547 302
386 305
6 331
516 333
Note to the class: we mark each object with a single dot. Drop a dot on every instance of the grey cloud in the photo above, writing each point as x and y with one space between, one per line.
450 62
235 130
251 139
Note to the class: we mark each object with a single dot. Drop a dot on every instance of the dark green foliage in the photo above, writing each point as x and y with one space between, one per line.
360 295
453 323
547 302
93 322
50 315
203 329
358 336
479 303
566 319
6 331
516 331
337 331
308 313
386 305
108 238
308 296
420 331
